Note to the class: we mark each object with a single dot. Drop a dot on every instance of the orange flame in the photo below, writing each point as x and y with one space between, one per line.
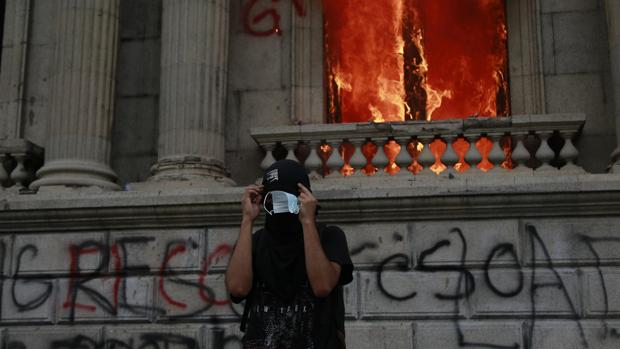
395 60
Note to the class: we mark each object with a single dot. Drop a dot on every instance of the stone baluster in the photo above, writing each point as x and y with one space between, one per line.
269 159
334 162
290 150
473 157
20 176
545 153
357 161
313 162
77 148
569 153
403 159
449 157
520 155
380 160
426 158
496 155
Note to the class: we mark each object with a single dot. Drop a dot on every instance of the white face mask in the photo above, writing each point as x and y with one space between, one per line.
283 202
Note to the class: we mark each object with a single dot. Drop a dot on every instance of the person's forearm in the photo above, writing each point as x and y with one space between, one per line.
321 273
239 271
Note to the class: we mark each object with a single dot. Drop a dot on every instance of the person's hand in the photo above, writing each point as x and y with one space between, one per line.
307 205
250 202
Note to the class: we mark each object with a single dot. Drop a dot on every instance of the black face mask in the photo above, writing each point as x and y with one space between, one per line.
280 250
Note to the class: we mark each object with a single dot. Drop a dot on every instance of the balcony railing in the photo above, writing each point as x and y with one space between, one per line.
518 145
19 161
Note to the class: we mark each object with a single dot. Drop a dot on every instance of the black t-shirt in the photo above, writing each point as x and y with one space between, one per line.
306 322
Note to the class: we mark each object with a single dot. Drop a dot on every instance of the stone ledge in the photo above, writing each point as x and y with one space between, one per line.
349 200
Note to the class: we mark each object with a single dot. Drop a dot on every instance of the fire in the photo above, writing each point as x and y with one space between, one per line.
395 60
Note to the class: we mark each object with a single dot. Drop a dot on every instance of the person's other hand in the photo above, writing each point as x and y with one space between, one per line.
250 202
307 205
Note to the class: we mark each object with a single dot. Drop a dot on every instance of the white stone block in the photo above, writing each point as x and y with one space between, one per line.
190 298
602 288
255 63
482 238
548 300
107 299
580 44
396 299
36 254
372 243
350 295
223 336
566 240
220 242
182 250
565 334
53 337
164 336
493 334
26 300
379 335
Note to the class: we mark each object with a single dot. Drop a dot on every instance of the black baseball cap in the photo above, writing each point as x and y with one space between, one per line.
284 175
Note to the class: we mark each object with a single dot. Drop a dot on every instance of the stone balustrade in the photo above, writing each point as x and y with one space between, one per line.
19 161
517 145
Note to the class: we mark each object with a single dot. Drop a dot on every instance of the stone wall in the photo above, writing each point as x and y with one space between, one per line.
524 274
577 72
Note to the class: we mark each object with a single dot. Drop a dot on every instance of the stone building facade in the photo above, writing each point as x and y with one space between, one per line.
128 129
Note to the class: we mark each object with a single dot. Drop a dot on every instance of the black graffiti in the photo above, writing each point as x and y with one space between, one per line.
150 340
590 242
466 285
470 283
403 265
147 340
37 301
361 248
535 240
501 250
79 279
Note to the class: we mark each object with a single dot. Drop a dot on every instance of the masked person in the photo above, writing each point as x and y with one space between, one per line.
291 271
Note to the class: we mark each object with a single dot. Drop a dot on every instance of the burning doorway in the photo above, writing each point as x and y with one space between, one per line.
397 60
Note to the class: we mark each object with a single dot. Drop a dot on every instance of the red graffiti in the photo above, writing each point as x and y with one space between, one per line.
164 267
117 271
75 253
112 255
220 251
252 22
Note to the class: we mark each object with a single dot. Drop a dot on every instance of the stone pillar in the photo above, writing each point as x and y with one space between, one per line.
613 32
193 93
77 148
13 70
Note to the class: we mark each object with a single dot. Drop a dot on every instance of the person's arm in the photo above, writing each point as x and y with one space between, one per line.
239 271
323 274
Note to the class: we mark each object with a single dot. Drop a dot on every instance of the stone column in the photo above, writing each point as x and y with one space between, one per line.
193 93
613 32
77 148
13 70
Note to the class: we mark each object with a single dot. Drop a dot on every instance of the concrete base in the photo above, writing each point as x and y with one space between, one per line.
76 173
184 172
